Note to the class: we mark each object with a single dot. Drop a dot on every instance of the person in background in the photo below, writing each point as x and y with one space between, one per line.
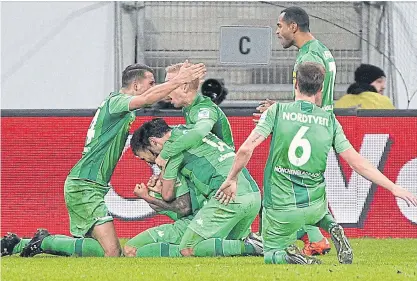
368 90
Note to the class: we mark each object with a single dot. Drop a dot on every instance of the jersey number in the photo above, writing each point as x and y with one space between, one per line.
92 129
221 146
296 142
332 69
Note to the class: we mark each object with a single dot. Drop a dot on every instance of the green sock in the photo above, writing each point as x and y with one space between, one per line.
314 233
159 250
275 257
18 248
219 247
140 240
327 222
67 246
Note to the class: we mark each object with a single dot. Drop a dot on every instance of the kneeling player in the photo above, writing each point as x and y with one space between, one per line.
295 192
205 166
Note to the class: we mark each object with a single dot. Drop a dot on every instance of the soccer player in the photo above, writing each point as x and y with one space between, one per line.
87 182
294 186
293 29
155 242
200 112
215 228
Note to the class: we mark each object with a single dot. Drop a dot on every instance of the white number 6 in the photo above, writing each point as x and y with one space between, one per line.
298 141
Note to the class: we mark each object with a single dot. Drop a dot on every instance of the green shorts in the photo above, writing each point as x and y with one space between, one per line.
85 204
216 220
166 233
279 227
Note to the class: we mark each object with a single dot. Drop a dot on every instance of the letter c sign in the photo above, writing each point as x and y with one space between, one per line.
242 49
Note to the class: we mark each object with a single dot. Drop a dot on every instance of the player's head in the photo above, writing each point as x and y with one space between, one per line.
149 139
371 75
146 155
309 79
138 78
291 21
179 96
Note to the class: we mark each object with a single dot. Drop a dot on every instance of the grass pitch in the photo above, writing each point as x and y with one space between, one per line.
374 259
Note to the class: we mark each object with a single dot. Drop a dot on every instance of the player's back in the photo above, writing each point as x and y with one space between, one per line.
208 163
301 140
203 107
315 51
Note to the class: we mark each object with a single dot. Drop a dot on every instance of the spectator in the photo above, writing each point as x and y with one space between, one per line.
367 91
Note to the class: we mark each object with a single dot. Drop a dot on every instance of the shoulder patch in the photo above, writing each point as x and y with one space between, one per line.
204 113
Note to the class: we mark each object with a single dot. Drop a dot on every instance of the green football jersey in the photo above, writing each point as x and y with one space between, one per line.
302 135
315 51
106 139
181 188
206 165
203 109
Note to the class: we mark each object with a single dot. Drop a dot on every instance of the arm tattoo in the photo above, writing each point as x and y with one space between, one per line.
180 205
256 138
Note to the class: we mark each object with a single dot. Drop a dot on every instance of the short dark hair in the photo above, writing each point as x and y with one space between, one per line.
298 16
134 72
310 77
155 128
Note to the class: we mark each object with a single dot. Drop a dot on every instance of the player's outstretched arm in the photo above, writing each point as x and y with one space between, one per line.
227 190
362 166
193 136
188 72
180 205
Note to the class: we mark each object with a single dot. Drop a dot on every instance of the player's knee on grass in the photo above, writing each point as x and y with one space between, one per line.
106 235
187 252
112 251
129 251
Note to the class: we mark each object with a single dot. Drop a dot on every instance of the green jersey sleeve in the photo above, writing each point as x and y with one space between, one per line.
193 136
119 103
172 167
340 142
267 120
181 186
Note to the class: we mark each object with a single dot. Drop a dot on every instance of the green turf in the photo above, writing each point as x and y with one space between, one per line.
387 259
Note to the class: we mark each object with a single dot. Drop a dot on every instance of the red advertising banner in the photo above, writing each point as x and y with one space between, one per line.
38 152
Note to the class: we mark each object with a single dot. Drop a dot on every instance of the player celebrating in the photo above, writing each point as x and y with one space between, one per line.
200 112
293 29
294 186
164 240
202 116
205 165
87 182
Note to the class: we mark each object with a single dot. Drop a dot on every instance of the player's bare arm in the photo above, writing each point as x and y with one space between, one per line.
227 190
362 166
154 207
186 74
180 205
168 189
